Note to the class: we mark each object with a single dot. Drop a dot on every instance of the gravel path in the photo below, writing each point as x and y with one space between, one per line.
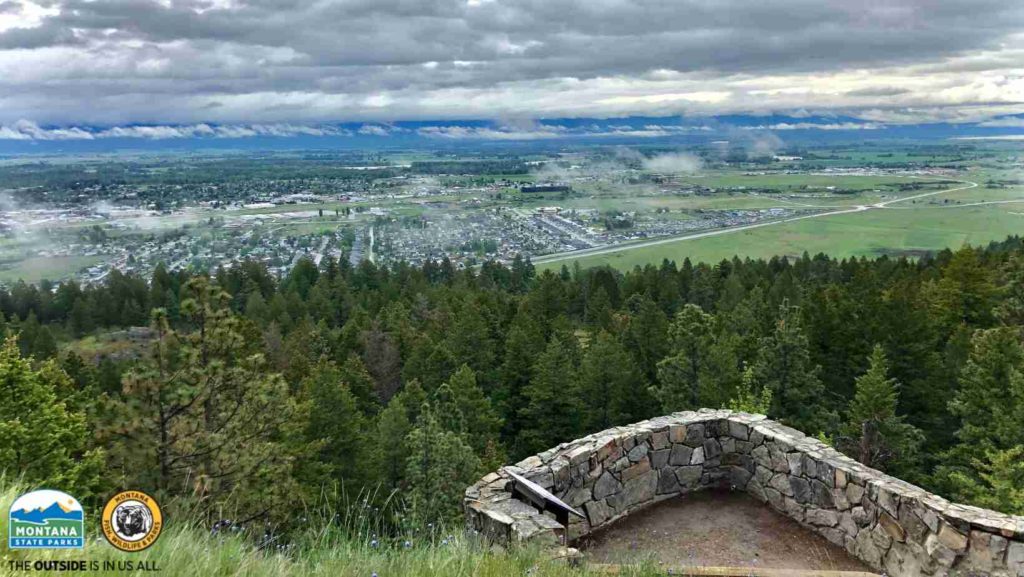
715 529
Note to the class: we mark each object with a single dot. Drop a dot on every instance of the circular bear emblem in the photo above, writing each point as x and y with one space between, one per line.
132 520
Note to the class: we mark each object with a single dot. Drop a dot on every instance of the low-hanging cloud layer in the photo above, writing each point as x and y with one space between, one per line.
231 68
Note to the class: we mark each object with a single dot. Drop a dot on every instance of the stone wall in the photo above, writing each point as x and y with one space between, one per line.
891 525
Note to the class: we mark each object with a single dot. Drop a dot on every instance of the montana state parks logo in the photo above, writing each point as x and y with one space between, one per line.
132 520
46 519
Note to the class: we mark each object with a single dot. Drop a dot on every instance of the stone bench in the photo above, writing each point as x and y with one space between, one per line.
889 524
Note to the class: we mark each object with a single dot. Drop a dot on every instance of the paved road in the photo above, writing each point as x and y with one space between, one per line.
646 243
969 204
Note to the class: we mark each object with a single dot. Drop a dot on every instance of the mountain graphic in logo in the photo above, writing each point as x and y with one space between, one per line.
54 511
46 519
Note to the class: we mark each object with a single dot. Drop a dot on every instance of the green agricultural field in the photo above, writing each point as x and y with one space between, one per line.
38 268
981 194
738 192
881 231
722 201
793 182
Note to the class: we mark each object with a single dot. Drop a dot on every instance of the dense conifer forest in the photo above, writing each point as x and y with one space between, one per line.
251 396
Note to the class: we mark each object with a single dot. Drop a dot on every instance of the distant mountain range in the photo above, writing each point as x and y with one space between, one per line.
29 138
54 511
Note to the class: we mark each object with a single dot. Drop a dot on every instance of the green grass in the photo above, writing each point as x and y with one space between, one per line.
797 181
185 549
96 346
983 193
871 233
35 269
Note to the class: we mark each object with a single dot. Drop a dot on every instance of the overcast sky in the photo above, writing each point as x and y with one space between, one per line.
298 63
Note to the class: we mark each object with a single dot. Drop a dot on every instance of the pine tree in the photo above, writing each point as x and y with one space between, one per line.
551 413
438 468
784 366
679 375
748 398
256 308
79 321
612 390
1011 310
990 407
874 433
469 339
429 362
204 415
480 422
997 481
28 331
392 428
645 335
990 399
523 344
599 309
449 416
522 273
45 346
335 425
702 369
359 382
380 355
42 441
965 293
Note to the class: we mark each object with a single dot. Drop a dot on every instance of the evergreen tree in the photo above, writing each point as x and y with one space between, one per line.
360 384
469 339
913 347
204 416
784 366
438 467
612 390
1011 310
874 433
748 398
108 376
79 321
45 345
551 413
990 407
703 370
522 273
28 331
42 441
599 309
480 422
449 416
965 293
645 334
382 360
256 308
429 362
996 481
523 344
335 425
990 399
393 427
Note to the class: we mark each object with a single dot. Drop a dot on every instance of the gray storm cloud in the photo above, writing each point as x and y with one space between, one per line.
272 62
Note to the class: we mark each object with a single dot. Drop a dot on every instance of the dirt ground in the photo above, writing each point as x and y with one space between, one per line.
715 529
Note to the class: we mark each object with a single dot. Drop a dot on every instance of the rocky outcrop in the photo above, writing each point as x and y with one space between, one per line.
889 524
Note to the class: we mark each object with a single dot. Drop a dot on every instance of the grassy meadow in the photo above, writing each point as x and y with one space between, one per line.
895 231
335 549
37 268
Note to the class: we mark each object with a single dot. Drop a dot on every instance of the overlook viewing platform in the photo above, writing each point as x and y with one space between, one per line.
746 493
